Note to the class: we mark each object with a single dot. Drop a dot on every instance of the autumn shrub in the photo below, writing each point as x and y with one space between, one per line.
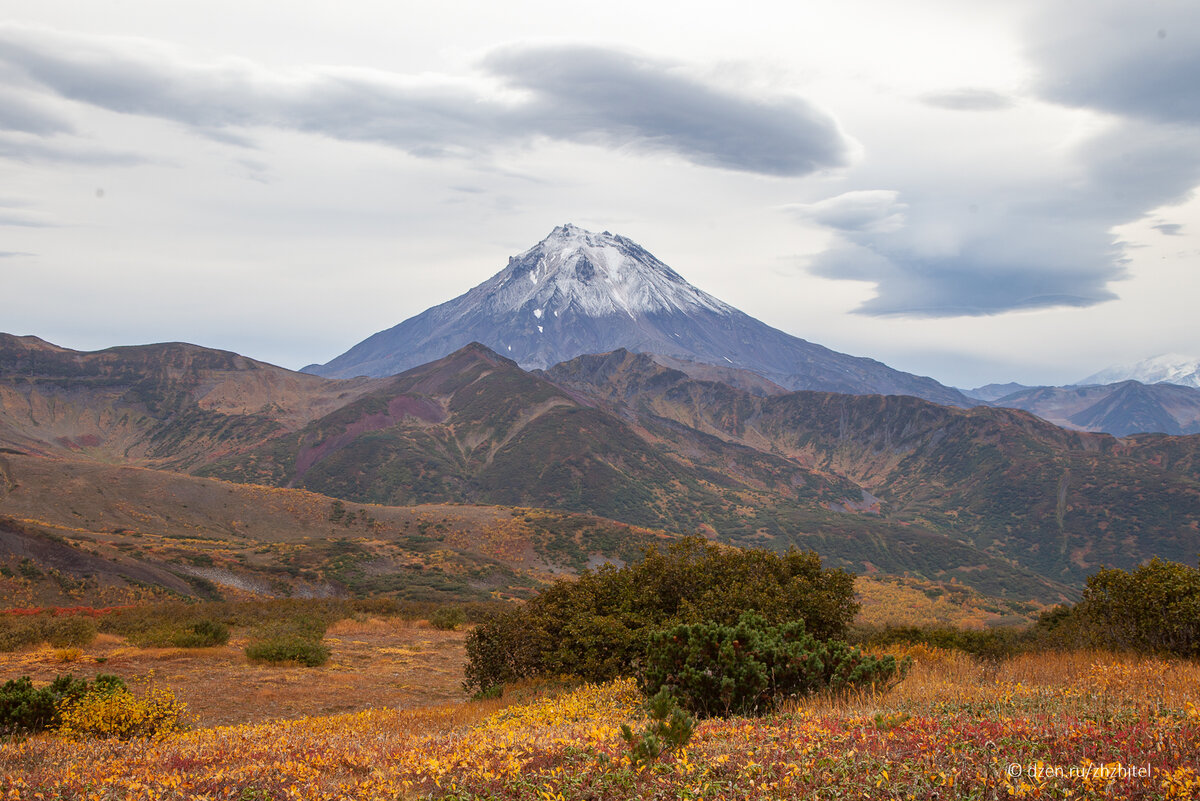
19 632
25 709
288 648
202 634
68 631
598 626
116 712
748 668
986 644
292 639
448 618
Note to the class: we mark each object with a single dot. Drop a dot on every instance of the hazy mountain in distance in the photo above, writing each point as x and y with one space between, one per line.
1120 409
993 392
1169 368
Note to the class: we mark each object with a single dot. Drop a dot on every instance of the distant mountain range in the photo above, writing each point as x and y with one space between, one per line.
578 292
993 498
1121 408
1170 368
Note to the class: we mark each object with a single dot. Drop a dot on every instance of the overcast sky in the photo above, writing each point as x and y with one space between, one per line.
975 191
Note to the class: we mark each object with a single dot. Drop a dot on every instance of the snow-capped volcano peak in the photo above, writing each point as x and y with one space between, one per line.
596 275
578 292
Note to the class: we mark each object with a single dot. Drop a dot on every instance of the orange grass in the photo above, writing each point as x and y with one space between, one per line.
949 730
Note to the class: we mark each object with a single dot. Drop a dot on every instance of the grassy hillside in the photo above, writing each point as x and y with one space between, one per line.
80 532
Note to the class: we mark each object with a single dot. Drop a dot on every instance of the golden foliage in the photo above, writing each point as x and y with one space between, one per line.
121 714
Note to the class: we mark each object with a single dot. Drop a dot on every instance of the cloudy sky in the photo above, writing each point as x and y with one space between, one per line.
976 191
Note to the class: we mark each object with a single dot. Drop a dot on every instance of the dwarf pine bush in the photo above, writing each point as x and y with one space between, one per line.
747 668
25 709
670 728
598 626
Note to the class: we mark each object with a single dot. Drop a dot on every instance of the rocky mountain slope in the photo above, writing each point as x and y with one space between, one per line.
171 405
83 532
1002 481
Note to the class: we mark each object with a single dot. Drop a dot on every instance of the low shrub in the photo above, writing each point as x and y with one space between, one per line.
25 709
68 631
1153 609
598 626
747 668
288 648
448 618
116 712
202 634
18 633
670 728
985 644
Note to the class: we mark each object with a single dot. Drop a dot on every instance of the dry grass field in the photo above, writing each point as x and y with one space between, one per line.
384 720
375 663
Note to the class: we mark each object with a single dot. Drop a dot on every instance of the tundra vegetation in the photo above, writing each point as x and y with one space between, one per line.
677 692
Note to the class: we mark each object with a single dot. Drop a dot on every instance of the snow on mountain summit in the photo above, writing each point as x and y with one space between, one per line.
596 275
1169 368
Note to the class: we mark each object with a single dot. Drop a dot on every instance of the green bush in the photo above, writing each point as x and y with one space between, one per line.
25 709
1153 609
202 634
670 728
502 650
598 626
69 631
288 648
448 618
18 632
747 668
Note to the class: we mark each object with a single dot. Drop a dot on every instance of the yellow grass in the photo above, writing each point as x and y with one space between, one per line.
1085 683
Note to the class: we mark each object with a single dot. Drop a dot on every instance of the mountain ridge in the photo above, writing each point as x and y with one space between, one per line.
990 497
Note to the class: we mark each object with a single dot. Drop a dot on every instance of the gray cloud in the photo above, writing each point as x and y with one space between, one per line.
1036 240
1025 263
1169 229
28 150
1038 243
589 93
20 113
12 254
968 99
580 94
866 210
1129 58
21 221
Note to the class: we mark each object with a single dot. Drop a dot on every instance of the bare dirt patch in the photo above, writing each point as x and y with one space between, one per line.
374 664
